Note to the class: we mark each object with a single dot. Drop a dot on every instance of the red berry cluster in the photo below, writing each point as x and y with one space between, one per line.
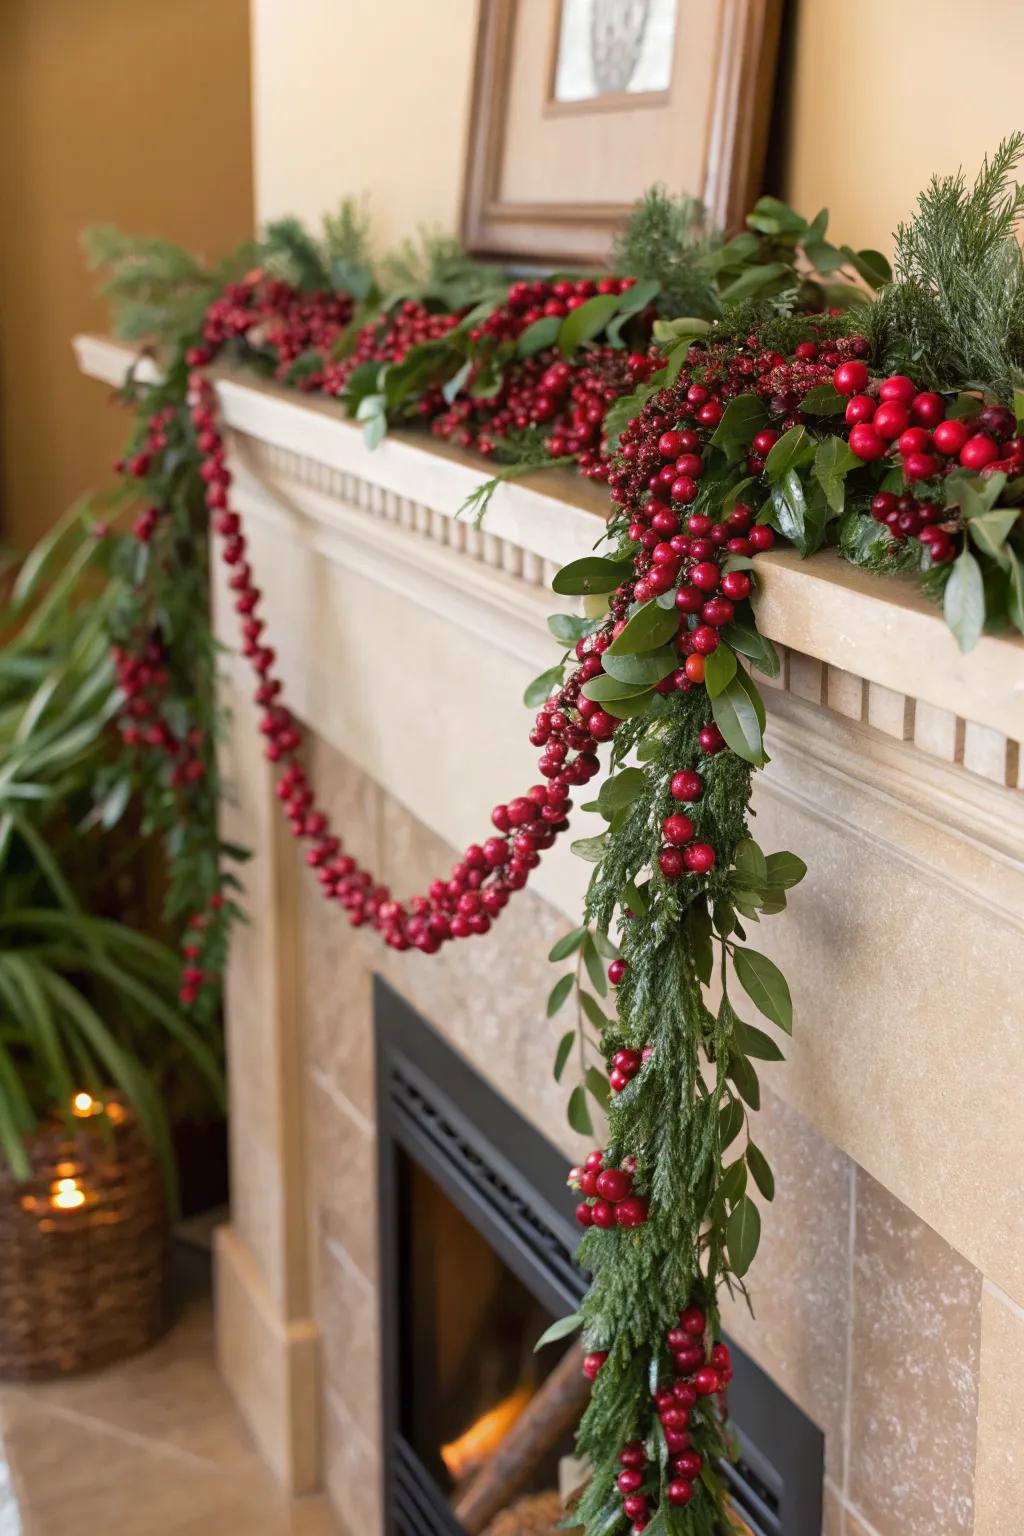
697 1376
274 316
894 419
142 680
138 467
609 1199
199 939
528 302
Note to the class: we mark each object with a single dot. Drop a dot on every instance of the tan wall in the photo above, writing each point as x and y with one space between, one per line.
133 112
374 97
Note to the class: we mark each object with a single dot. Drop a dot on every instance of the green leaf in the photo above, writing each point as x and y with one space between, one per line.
579 1112
570 627
964 601
622 789
745 1078
990 530
758 650
597 1087
604 689
742 419
823 400
698 932
648 668
730 1122
632 897
542 686
1016 600
773 212
592 1010
1018 406
740 719
751 864
789 507
732 1184
649 629
592 573
558 994
761 1171
457 381
595 967
559 1330
590 848
567 945
765 985
742 1235
832 463
872 266
542 333
754 280
678 330
719 670
583 323
565 1046
755 1043
785 869
628 708
795 447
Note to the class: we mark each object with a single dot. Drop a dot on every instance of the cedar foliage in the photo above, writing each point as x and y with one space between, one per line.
954 315
665 239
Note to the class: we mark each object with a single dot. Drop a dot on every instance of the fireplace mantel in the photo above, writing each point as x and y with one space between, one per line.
896 772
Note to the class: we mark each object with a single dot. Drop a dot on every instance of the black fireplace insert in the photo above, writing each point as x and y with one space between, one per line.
477 1243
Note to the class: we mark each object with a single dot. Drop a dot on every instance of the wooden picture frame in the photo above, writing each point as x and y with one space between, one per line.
529 154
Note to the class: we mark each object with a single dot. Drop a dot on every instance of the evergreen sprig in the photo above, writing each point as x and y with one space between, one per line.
954 316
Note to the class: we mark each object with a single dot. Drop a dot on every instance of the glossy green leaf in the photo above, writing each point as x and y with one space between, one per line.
592 849
579 1112
745 1079
592 1010
765 985
755 1043
560 1330
567 945
595 966
649 629
793 448
621 789
833 461
739 715
760 1171
730 1122
719 670
823 400
542 333
571 627
597 1087
558 994
604 688
990 530
742 1235
543 686
964 601
785 869
591 573
742 419
582 324
648 667
749 642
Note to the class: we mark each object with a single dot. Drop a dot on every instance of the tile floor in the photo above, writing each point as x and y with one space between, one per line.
152 1447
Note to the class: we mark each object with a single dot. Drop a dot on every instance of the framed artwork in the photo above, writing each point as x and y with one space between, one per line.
579 105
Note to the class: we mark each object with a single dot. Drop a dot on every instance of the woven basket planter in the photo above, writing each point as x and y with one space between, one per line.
84 1247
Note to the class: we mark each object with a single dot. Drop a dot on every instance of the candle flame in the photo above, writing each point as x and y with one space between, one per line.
83 1104
67 1195
472 1448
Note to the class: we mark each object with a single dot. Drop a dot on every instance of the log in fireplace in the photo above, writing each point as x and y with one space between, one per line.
477 1239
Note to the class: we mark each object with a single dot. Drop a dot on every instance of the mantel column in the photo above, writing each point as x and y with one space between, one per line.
268 1343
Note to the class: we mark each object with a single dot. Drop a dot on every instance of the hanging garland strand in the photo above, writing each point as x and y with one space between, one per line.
714 441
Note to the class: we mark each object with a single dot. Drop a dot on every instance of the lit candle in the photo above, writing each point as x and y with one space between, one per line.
66 1195
83 1105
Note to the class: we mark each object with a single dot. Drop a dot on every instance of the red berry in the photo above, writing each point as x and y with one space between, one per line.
859 408
704 639
891 418
693 1321
685 489
602 1214
850 378
762 537
866 444
699 858
616 971
717 611
633 1455
634 1507
593 1362
898 387
928 409
686 785
689 600
920 466
670 445
688 1464
915 440
629 1480
706 1381
632 1212
583 1214
670 862
594 1160
677 829
679 1491
978 451
711 739
614 1184
736 584
950 436
705 575
764 442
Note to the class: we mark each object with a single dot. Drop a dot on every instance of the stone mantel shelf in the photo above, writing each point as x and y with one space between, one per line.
879 630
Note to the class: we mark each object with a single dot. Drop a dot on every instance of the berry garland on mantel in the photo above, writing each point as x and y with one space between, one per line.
726 432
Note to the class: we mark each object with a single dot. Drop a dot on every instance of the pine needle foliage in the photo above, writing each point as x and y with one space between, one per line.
665 238
157 291
954 316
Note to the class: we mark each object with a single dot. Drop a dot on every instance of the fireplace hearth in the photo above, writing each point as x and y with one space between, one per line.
477 1239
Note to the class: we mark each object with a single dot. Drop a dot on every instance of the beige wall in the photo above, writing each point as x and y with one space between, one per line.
132 112
355 95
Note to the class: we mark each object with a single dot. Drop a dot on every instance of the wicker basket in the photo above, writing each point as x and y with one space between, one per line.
84 1249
